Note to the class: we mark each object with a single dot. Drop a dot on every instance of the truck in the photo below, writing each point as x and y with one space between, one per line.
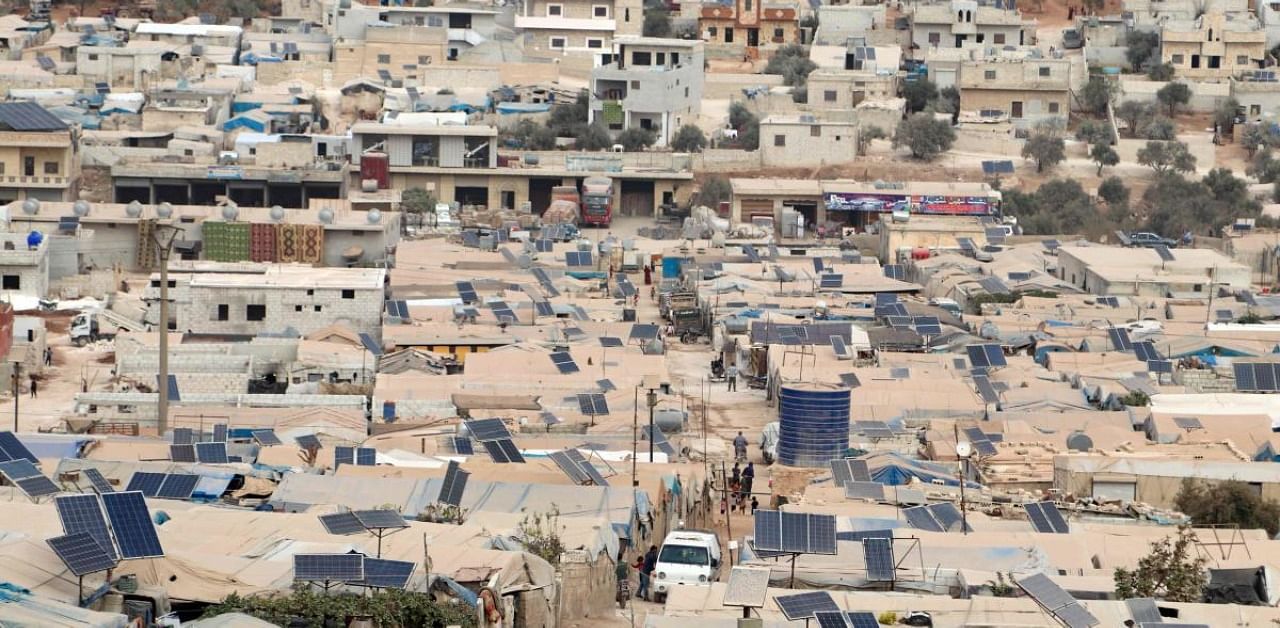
597 201
687 558
103 324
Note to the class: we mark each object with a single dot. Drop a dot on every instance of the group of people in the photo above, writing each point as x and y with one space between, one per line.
740 490
644 565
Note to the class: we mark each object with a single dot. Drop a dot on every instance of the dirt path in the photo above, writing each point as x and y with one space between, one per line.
59 383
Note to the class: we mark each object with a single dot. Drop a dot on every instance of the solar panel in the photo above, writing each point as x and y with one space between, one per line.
564 362
380 519
488 429
266 438
13 449
840 472
1160 366
610 341
220 433
1039 523
921 518
1046 592
131 523
328 567
927 325
1051 245
455 482
1076 616
1188 423
462 445
1054 517
799 533
1146 351
544 246
839 347
949 517
967 245
212 453
863 619
182 453
15 470
578 258
878 556
985 448
593 404
467 292
183 436
83 514
830 619
343 455
643 332
804 605
895 271
99 483
37 486
569 467
341 523
768 529
178 486
1144 610
81 553
654 433
387 574
1224 316
864 490
832 280
586 467
366 457
1245 380
986 356
1163 251
747 586
752 254
148 483
543 308
985 389
850 380
1109 301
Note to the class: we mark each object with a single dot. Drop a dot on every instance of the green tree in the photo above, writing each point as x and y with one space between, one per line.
1165 157
1132 112
925 135
593 137
1159 128
1103 155
866 135
1047 149
919 93
1224 117
417 201
1177 205
747 125
539 533
530 135
949 102
1256 136
567 120
1174 95
1064 207
1172 571
1264 167
1093 132
1160 72
1229 502
657 21
1140 46
637 139
1096 94
689 139
1113 191
713 190
792 63
306 606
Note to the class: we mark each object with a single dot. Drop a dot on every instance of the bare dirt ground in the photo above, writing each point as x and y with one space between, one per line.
73 368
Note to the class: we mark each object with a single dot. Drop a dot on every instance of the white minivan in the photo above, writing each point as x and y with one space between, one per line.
687 557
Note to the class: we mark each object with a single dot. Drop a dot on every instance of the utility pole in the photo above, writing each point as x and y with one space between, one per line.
17 371
163 237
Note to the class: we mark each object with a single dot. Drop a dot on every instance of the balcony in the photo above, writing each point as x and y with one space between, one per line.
39 181
565 23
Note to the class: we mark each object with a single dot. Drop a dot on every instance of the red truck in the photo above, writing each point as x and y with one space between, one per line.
597 201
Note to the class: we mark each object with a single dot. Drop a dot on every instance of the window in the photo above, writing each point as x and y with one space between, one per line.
297 308
1177 59
1242 60
626 16
595 43
777 33
711 32
224 312
935 38
555 10
51 167
981 37
815 131
1044 70
728 35
829 95
93 57
317 308
989 75
384 59
746 5
646 124
311 292
779 140
997 38
641 58
12 282
1053 107
424 59
557 43
348 294
600 10
675 59
635 85
660 58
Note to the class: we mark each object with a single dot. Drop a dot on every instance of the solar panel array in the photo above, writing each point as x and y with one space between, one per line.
1057 601
986 390
1120 340
1046 518
1146 351
831 281
846 470
147 483
467 292
503 450
577 258
487 429
387 574
564 362
219 433
328 567
131 522
380 519
84 514
183 436
12 449
864 490
455 483
178 486
1257 377
182 453
99 482
593 404
805 605
895 271
944 517
341 523
986 356
795 533
82 553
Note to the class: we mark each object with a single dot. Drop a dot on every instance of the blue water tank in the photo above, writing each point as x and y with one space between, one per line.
34 239
814 424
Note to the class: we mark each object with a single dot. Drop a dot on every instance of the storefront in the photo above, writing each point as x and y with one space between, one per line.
855 205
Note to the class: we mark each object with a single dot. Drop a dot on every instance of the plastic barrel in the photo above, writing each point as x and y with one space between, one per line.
814 424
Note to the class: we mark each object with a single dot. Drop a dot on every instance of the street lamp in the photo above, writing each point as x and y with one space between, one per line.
163 236
964 451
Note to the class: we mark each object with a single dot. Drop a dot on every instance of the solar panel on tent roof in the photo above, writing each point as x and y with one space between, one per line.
544 246
610 341
1076 616
1188 423
993 285
1051 245
1019 276
178 486
862 619
183 436
864 490
895 271
927 325
850 379
487 429
803 605
549 419
921 518
986 356
654 433
470 239
147 483
949 517
985 448
994 235
384 75
839 347
878 555
212 453
564 362
131 523
83 513
747 586
387 574
817 264
606 385
46 63
328 567
577 258
1163 251
37 486
1046 592
370 344
13 449
967 245
1109 301
380 519
751 253
462 445
1120 340
886 298
587 468
366 457
99 483
15 470
830 619
832 280
643 331
341 523
266 438
1159 366
569 467
543 308
900 372
467 292
503 450
502 312
593 404
220 433
455 482
1055 518
81 553
182 453
1146 351
1224 316
508 255
1144 610
343 455
985 389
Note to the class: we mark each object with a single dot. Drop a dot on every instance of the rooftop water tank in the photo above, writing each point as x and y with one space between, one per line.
669 420
814 424
82 207
164 210
374 216
326 216
34 239
30 206
230 211
277 213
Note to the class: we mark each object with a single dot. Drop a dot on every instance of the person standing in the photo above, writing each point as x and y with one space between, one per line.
748 477
739 449
34 385
646 571
732 376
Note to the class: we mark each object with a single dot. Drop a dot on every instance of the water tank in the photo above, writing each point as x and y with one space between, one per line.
814 424
277 213
736 324
669 420
530 159
376 166
368 185
81 208
164 210
34 239
230 211
326 216
374 216
30 206
1079 441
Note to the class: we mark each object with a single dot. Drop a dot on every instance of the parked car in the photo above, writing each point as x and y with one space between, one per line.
1148 239
688 558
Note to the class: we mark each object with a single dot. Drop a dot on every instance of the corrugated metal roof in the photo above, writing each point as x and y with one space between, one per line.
28 116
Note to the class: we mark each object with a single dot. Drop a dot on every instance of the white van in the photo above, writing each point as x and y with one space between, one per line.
687 557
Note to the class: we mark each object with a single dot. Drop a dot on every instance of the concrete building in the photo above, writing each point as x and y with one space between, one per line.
124 67
749 25
467 25
856 204
279 297
806 141
651 83
842 90
575 30
1260 100
959 22
1024 91
1154 481
24 269
39 154
1269 18
397 51
1213 46
1105 270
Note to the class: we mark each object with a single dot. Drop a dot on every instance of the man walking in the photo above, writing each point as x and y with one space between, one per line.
646 572
33 386
739 449
748 477
732 376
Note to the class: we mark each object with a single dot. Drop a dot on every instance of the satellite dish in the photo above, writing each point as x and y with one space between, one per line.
963 449
1079 441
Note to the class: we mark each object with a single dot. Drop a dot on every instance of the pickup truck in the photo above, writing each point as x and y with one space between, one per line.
687 558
